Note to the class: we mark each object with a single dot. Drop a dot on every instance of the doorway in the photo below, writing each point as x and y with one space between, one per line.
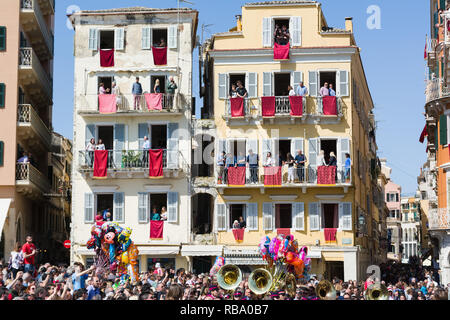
281 83
106 202
234 78
328 146
158 201
162 83
106 39
328 77
201 264
106 134
159 136
284 148
107 82
202 213
283 216
236 211
334 269
330 215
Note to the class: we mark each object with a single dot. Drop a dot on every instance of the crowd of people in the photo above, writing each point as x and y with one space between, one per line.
19 280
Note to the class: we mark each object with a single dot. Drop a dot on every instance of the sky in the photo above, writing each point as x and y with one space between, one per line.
392 56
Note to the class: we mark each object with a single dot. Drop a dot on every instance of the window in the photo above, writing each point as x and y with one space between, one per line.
2 153
107 82
283 216
281 83
234 78
157 201
2 95
106 39
158 136
293 24
2 38
105 202
339 80
236 211
330 215
159 37
327 77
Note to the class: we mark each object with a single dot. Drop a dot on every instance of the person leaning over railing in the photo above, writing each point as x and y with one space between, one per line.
136 90
171 87
300 161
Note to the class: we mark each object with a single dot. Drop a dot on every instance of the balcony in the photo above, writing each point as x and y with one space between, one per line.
47 6
30 181
320 111
439 219
33 76
283 110
88 105
31 127
131 164
34 24
309 179
436 90
431 53
249 111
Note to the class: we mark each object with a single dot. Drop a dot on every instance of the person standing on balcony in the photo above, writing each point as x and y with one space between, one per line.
253 163
171 87
290 163
100 145
155 215
115 90
102 90
157 87
136 90
285 36
90 148
332 92
229 163
233 91
240 160
241 91
145 153
348 165
324 91
242 223
301 90
333 163
321 159
221 167
24 158
269 162
291 91
300 161
163 213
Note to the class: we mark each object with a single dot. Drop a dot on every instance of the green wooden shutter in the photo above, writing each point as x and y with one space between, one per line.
443 130
442 4
2 152
2 95
2 38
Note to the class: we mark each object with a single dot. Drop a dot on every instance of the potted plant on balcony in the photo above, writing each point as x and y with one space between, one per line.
130 159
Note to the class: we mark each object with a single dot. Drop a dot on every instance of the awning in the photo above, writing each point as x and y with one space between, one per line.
159 250
314 254
4 208
243 256
201 250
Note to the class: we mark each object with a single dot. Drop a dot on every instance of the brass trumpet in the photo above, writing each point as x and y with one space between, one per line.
229 277
260 281
376 292
325 290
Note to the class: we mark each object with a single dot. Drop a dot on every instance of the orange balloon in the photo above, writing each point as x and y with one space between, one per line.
299 266
290 257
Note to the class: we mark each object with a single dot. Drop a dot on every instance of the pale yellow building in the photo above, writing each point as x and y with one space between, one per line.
318 54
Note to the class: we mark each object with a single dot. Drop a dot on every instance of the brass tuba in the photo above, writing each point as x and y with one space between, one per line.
229 277
291 285
260 281
376 292
325 290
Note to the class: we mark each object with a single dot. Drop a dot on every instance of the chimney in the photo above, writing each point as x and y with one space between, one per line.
349 24
239 22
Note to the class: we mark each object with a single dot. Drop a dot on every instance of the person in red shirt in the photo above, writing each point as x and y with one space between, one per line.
29 252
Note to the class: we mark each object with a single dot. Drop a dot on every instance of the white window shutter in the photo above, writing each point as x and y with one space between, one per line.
221 224
252 144
314 217
172 207
296 78
146 38
296 144
93 39
119 39
266 147
313 84
252 216
267 32
296 31
143 207
342 89
173 37
313 152
268 216
267 84
252 84
88 208
223 80
346 216
119 207
344 147
172 146
298 216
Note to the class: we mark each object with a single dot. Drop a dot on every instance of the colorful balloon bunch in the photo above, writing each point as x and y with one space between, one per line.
219 263
114 241
283 253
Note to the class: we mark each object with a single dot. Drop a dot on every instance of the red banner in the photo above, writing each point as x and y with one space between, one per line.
268 106
107 58
100 164
237 107
107 103
236 176
272 176
329 106
326 175
239 234
423 134
330 234
281 52
159 56
156 164
156 230
285 231
154 101
296 106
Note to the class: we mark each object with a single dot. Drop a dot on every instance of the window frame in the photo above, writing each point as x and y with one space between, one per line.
292 228
3 38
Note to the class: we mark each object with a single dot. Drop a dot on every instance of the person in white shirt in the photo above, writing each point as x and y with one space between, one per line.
291 91
269 162
115 90
145 147
16 260
90 148
321 159
100 145
163 213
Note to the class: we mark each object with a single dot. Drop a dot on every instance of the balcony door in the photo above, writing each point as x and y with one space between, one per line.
106 134
281 83
330 213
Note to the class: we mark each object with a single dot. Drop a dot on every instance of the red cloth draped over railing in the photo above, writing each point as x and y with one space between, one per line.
423 134
156 164
268 106
154 101
272 176
107 103
237 107
281 52
296 106
326 175
156 230
239 234
330 234
159 56
329 105
100 164
236 176
107 58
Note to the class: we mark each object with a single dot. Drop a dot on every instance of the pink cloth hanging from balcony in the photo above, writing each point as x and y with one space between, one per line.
272 176
239 234
330 235
326 175
268 107
236 176
281 52
329 106
237 107
154 101
159 56
107 103
296 103
107 57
